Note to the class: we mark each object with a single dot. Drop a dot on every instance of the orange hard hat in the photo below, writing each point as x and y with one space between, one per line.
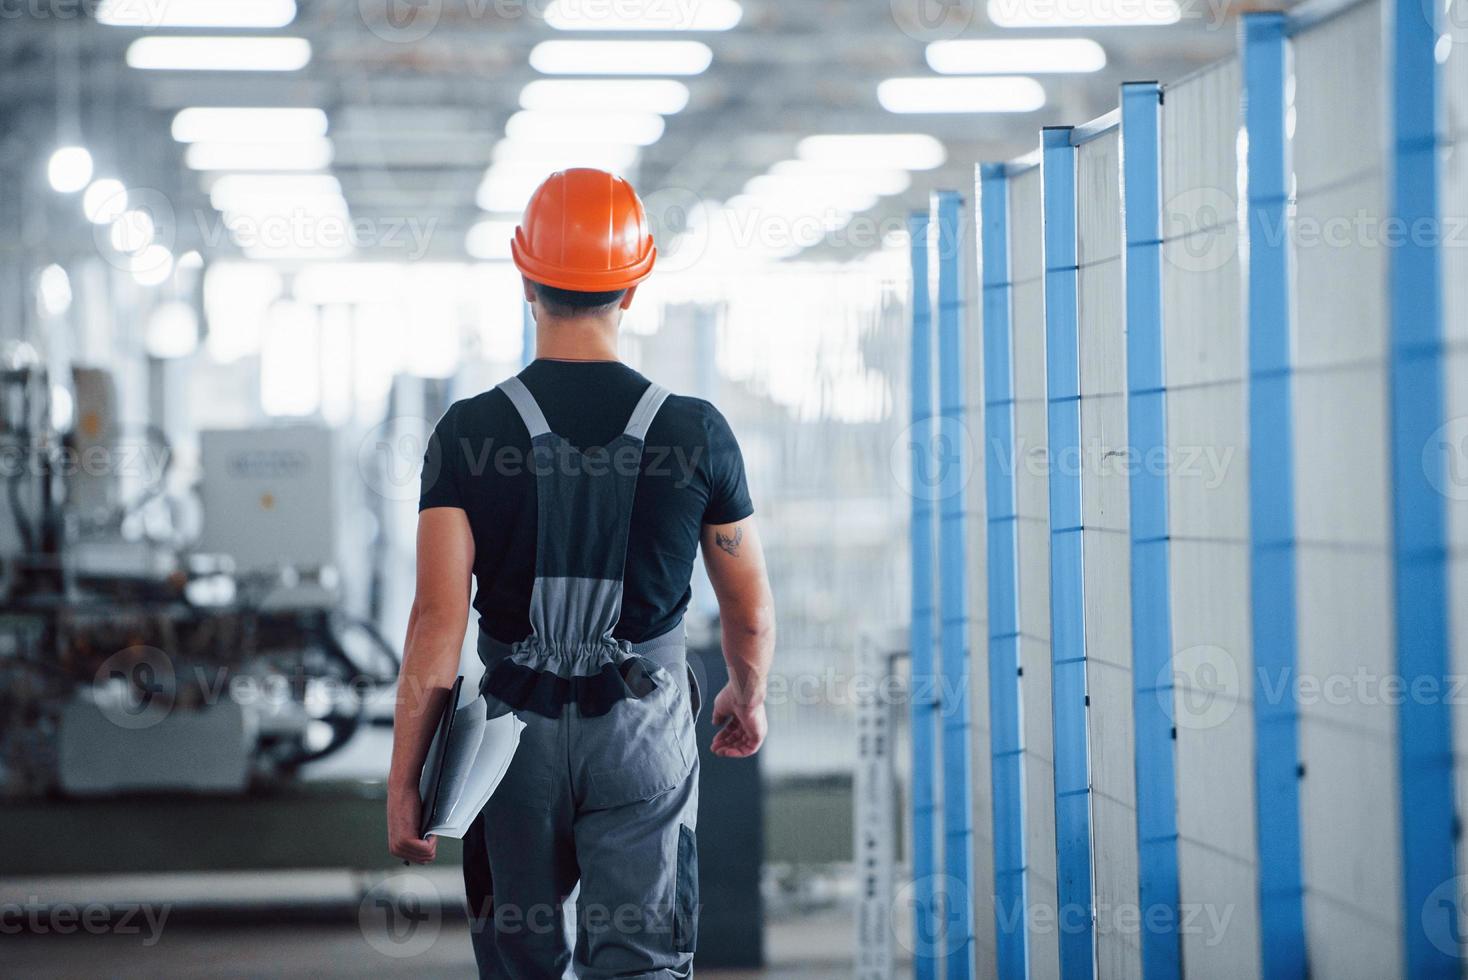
584 230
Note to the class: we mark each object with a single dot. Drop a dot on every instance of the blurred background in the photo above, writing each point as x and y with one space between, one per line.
250 250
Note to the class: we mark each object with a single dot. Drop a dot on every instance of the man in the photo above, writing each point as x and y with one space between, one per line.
577 495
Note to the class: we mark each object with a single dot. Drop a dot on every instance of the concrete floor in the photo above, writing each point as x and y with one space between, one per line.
812 947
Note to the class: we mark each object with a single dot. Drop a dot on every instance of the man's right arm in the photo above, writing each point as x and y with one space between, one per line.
736 567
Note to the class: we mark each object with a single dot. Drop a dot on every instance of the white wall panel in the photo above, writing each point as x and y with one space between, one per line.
1107 556
1341 463
1032 506
1204 337
976 523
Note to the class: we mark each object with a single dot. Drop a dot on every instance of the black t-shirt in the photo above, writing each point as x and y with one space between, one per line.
692 474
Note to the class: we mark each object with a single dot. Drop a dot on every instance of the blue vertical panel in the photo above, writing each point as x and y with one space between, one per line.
958 831
1271 503
1151 611
1005 732
1067 607
1419 523
927 922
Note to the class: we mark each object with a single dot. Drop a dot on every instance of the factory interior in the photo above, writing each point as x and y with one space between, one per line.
1100 370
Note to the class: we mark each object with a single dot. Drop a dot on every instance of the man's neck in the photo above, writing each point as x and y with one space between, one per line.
576 339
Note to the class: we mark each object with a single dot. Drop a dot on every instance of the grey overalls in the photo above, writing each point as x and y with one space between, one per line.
604 786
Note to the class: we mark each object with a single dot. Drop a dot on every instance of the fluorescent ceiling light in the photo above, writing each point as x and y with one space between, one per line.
1016 56
104 201
69 169
549 157
196 13
228 190
490 239
220 53
306 155
266 208
661 95
643 15
1083 13
990 93
621 57
637 128
877 180
248 125
905 151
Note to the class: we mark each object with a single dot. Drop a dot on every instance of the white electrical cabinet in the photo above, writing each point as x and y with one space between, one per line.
269 497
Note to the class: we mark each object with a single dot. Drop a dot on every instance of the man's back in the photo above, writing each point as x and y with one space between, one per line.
691 474
578 493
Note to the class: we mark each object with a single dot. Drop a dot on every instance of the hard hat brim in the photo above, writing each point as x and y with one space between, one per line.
580 280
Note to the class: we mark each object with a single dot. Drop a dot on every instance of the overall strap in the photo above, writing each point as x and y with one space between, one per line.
525 404
647 408
583 520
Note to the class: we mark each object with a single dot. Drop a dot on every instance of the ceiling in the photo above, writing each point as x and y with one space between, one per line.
418 93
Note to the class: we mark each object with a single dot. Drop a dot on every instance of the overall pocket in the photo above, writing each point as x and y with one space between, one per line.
639 750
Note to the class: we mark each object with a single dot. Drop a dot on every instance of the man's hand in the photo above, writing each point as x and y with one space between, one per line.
404 816
744 725
736 566
430 662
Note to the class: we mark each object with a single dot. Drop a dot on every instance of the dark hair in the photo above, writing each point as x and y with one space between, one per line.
568 302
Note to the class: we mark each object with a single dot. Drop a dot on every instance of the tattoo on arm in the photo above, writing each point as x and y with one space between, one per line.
730 542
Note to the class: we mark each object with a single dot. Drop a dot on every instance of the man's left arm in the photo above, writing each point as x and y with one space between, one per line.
436 627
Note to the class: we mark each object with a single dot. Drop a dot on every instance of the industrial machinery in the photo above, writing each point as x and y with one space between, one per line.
140 655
